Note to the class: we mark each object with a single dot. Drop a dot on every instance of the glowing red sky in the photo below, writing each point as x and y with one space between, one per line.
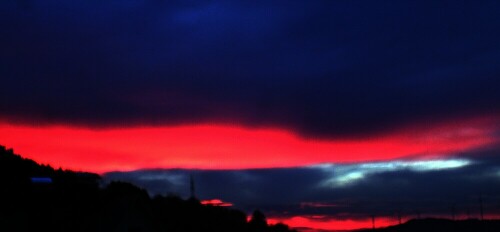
323 223
219 146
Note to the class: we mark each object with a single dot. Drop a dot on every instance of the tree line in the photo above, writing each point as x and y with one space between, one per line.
36 197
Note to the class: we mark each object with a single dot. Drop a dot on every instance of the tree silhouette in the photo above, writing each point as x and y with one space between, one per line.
258 221
73 201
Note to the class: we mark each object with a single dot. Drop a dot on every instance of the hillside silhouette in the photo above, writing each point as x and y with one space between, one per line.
441 225
36 197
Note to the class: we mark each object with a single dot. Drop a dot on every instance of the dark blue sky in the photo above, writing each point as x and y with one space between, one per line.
321 68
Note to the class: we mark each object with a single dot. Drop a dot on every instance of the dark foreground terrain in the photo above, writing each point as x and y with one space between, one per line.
442 225
37 197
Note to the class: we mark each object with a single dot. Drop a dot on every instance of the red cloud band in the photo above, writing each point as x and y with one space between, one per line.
228 147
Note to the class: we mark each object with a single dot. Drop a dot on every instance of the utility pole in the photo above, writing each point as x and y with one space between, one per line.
453 212
481 207
192 186
399 217
373 222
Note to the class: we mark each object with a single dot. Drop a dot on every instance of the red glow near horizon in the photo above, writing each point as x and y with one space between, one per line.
216 202
319 222
323 222
208 146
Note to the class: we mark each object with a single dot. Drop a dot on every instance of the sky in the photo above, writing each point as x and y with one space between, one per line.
319 113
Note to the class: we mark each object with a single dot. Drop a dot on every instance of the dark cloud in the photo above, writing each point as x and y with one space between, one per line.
322 68
431 187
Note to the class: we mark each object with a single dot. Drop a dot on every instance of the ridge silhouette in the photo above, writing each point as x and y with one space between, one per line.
36 197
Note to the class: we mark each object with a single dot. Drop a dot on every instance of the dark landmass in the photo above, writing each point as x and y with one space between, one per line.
441 225
36 197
